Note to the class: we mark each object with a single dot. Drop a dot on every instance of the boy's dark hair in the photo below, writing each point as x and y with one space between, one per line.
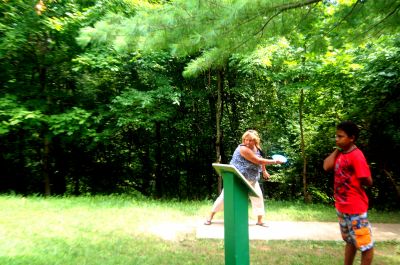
350 128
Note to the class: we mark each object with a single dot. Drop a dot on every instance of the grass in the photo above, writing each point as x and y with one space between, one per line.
124 230
298 211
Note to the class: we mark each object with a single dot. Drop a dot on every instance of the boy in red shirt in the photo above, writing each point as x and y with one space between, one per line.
351 174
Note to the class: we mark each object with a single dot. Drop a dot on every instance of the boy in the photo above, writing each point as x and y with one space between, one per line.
351 172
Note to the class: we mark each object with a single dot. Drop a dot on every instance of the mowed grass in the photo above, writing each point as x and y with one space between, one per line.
128 230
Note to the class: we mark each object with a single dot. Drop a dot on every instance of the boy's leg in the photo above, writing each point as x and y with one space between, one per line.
367 256
356 231
349 254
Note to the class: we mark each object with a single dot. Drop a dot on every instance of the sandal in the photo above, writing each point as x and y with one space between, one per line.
208 222
262 224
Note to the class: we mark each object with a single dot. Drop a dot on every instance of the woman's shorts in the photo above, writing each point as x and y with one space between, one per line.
356 230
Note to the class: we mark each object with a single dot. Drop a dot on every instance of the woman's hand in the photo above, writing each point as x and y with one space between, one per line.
265 175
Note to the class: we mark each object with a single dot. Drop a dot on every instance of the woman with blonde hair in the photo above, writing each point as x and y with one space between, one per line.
248 160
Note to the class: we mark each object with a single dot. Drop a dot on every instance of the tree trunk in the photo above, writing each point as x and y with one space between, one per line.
393 181
46 155
220 85
46 142
158 172
232 101
303 152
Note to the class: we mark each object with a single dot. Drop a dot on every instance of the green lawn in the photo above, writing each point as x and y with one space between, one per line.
124 230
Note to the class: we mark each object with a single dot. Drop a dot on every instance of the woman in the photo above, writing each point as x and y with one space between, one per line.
247 159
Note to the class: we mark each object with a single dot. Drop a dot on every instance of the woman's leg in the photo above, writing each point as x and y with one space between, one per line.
257 204
217 207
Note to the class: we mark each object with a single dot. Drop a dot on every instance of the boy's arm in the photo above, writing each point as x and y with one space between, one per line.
329 162
367 181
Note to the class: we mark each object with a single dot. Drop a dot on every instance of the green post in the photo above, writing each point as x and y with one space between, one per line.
236 230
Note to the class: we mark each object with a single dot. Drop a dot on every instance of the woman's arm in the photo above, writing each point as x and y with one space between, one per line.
265 173
248 154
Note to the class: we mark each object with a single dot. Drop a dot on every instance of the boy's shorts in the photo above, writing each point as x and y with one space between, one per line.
356 230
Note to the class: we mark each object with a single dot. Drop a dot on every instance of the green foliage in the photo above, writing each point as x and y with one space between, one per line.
211 59
216 29
142 109
120 96
12 115
70 122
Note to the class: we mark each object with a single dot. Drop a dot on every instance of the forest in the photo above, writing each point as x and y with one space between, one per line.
141 97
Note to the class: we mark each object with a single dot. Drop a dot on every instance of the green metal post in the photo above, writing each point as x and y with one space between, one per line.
236 223
236 229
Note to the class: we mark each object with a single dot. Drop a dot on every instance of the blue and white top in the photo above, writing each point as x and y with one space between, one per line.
248 169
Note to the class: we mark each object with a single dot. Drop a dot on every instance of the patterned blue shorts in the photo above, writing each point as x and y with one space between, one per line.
356 230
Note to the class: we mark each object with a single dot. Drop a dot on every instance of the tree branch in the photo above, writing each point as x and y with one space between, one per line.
289 6
381 21
280 9
345 17
285 7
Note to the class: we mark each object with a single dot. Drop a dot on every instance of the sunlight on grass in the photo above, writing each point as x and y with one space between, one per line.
128 230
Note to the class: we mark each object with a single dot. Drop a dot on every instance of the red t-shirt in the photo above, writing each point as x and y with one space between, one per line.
350 196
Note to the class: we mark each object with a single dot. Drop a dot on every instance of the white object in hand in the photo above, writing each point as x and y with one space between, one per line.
280 158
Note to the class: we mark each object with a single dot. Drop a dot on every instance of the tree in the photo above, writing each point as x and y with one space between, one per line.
180 83
39 47
212 31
